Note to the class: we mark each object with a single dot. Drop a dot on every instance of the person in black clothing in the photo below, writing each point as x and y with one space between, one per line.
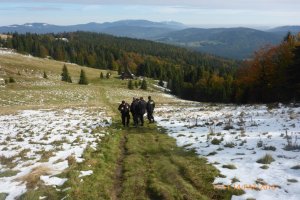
134 111
150 109
141 110
124 108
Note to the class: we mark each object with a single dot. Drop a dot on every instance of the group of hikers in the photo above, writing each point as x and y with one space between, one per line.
138 108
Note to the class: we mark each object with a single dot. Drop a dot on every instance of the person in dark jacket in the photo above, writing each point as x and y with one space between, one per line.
134 110
141 110
150 109
124 108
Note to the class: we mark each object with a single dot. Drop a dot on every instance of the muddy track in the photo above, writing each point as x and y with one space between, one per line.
117 190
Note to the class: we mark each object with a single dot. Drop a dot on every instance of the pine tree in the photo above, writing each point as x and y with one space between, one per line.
130 85
45 75
101 75
144 85
65 75
83 80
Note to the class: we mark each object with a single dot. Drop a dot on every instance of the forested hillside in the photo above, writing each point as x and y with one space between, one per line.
270 76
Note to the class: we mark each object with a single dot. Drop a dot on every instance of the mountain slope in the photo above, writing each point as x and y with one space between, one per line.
282 30
238 43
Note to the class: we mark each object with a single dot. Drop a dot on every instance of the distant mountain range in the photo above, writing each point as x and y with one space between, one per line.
130 28
237 43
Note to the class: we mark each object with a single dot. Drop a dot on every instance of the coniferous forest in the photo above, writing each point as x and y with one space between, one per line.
270 76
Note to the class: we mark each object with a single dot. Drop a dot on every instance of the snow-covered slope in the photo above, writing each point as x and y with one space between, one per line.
244 134
35 140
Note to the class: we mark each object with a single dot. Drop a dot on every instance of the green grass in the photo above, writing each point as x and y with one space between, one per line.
8 173
3 196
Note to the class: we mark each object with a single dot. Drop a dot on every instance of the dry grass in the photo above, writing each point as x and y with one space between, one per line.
33 177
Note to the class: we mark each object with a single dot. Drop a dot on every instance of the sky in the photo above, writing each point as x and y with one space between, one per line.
206 13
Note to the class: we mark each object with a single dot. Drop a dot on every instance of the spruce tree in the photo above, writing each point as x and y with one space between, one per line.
101 75
130 85
83 80
144 85
65 75
45 75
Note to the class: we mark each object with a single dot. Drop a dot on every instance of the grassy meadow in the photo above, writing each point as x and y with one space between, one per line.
128 163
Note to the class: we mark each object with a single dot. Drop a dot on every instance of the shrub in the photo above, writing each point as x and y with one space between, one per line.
296 167
215 141
229 166
229 145
259 144
269 148
11 80
267 159
264 167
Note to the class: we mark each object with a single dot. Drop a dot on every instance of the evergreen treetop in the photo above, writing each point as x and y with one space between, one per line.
45 75
144 85
130 85
83 80
65 74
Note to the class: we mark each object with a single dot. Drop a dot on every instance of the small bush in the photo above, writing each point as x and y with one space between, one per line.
71 160
212 153
234 180
269 148
229 166
259 144
215 141
229 145
296 167
264 167
292 180
11 80
267 159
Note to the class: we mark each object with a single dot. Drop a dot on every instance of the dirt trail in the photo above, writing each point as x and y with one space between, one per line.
120 169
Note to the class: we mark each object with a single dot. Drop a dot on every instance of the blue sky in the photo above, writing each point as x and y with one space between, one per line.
209 13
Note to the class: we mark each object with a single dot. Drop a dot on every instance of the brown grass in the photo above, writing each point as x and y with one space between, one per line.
33 178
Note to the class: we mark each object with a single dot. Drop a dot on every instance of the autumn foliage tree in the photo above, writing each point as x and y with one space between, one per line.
267 77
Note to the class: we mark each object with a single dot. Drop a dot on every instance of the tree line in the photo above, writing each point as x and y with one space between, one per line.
271 75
